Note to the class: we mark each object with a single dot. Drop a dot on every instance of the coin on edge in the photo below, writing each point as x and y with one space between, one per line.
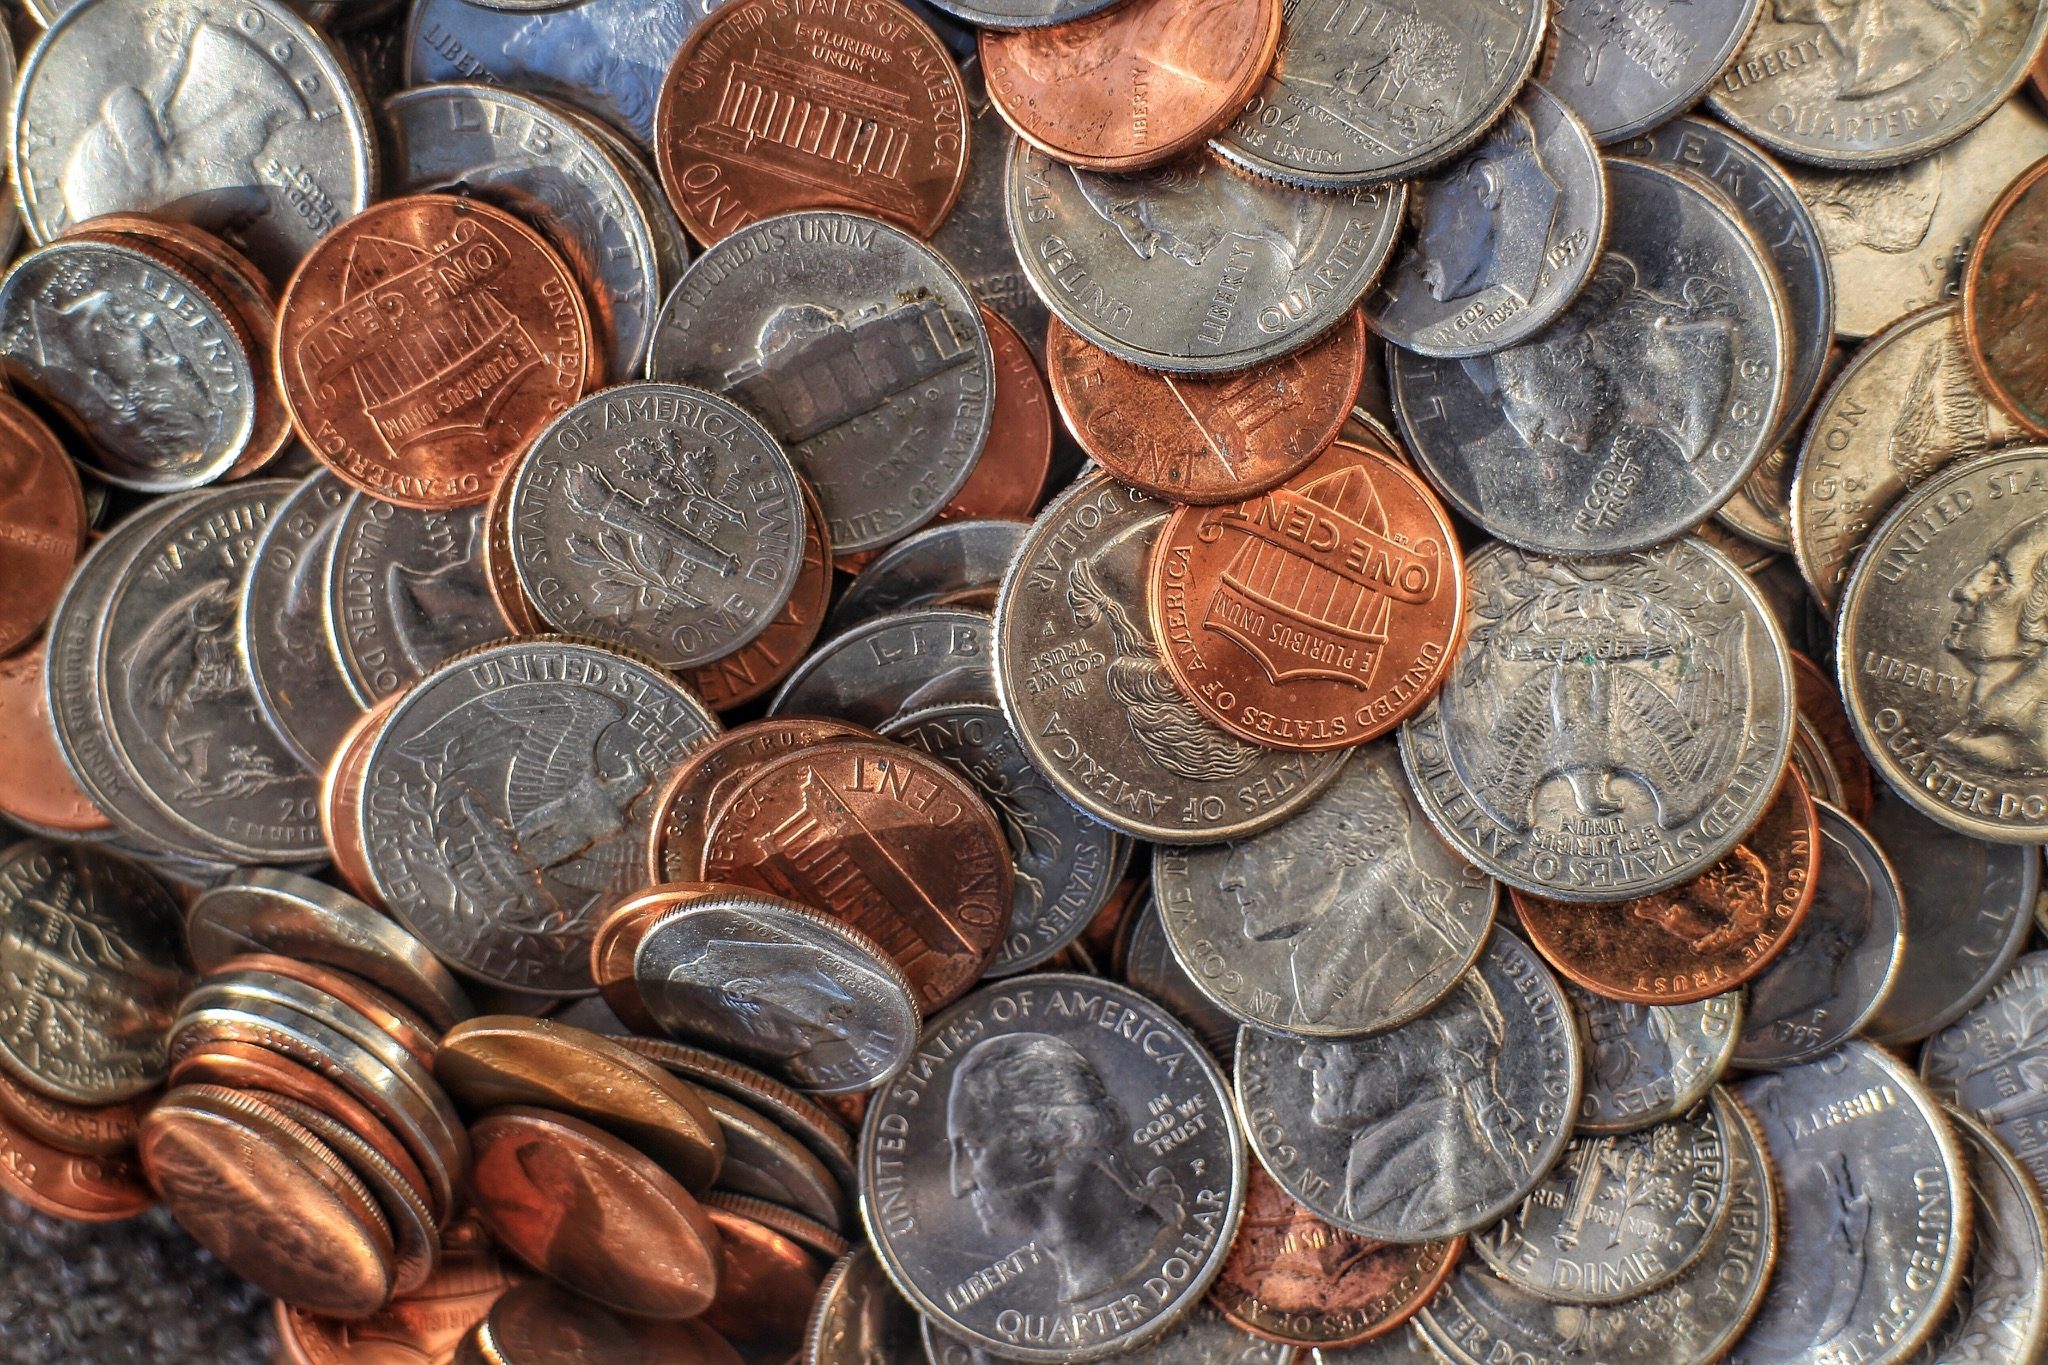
1649 1063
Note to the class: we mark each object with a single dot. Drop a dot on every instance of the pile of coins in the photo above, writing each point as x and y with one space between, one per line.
846 682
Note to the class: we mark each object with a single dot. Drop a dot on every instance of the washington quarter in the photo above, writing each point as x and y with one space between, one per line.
282 627
1646 1064
1988 1063
1203 1336
1626 68
899 662
2001 1305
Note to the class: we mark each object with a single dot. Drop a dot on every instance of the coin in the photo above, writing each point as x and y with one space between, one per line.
2001 1304
282 625
1015 14
420 1328
933 567
1403 1347
1626 70
1318 615
1137 264
1641 408
341 802
1434 1128
42 526
704 781
1372 91
1876 1211
763 1164
1150 966
1202 1336
406 589
759 666
1505 237
859 1316
1986 1062
975 236
1820 702
82 1189
405 1028
1648 1064
1085 688
1009 480
789 293
82 1130
767 1282
898 661
37 789
1998 284
1035 1231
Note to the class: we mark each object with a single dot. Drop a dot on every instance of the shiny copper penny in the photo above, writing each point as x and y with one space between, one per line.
36 786
423 1327
81 1129
773 106
341 800
1702 938
883 837
708 777
767 1284
1292 1277
1136 85
1317 615
589 1212
42 523
422 343
2005 288
759 666
83 1189
1820 702
1206 438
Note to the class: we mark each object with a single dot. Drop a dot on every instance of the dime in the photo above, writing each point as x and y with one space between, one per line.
1009 480
1816 766
1988 1062
423 1326
706 780
1528 760
1936 662
1648 1064
2001 1304
1431 1129
37 789
42 524
1383 89
282 625
1641 408
1191 268
1856 90
1084 686
1504 239
1350 918
509 794
370 365
764 662
772 107
932 567
893 663
975 236
82 1189
1138 1177
1318 615
761 316
764 1164
1998 291
1625 69
1150 966
1876 1211
859 1317
406 589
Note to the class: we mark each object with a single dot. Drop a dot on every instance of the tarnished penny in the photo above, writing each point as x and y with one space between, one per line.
1702 938
2002 297
1318 615
42 523
424 341
771 107
341 800
707 779
420 1328
1009 478
767 1283
1136 85
1206 438
36 785
82 1189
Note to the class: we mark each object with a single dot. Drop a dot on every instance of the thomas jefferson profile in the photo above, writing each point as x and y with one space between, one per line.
1040 1148
1999 633
1486 224
1189 208
1881 44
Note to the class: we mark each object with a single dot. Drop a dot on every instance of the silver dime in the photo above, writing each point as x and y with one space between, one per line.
1649 1063
233 114
902 661
1535 760
763 1162
1434 1128
1015 14
1968 907
1990 1062
1860 85
1937 636
1060 1175
2001 1306
1202 1337
508 796
1504 237
1625 66
1067 863
143 361
781 316
1192 267
781 987
976 234
930 566
1349 918
1149 965
1082 682
282 627
1876 1226
1373 90
859 1318
1637 412
659 518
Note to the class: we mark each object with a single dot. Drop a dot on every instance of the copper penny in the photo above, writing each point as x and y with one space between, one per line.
272 1201
2005 287
36 786
1206 438
1317 615
1292 1277
759 666
422 343
82 1129
589 1212
1136 85
502 577
341 801
767 1283
804 1231
1105 934
888 840
773 106
83 1189
1702 938
423 1327
42 523
406 1028
1821 703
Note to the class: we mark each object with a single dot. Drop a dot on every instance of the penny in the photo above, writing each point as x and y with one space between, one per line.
535 1323
1649 1064
82 1130
975 236
1998 291
1578 809
806 1232
493 1061
764 1164
1350 918
895 662
1082 681
61 1184
932 567
1206 438
420 1328
42 524
36 786
1374 91
1021 14
282 625
885 839
759 666
1150 966
767 1282
1854 91
618 937
1434 1128
1010 477
589 1212
759 313
1986 1063
1130 262
859 1316
372 370
658 518
1821 703
1141 1168
1505 237
1294 1278
1937 672
2001 1304
1627 70
341 802
1641 408
1318 615
1703 937
1876 1211
705 780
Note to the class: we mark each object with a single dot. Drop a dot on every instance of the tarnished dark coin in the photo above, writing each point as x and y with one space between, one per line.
1150 966
282 627
902 661
1988 1062
1434 1128
859 1317
1649 1063
932 567
2001 1305
1626 69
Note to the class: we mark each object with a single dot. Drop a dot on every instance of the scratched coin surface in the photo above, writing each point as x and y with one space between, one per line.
1987 1062
899 661
1649 1063
1064 1143
1626 68
2001 1304
975 236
